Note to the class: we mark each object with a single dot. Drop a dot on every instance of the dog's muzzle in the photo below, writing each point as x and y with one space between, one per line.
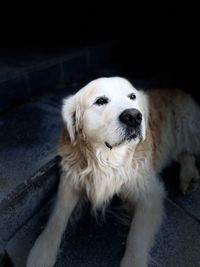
131 120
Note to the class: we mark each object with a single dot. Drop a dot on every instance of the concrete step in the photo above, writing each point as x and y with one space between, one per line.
92 243
86 242
28 72
28 141
29 136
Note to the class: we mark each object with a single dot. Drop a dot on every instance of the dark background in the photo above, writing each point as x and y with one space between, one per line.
156 38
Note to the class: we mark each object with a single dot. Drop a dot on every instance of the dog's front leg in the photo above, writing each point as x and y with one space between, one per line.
144 225
44 251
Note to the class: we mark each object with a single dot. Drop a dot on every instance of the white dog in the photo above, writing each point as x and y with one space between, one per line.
116 141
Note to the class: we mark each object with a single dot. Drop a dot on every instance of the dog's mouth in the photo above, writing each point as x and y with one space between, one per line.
108 145
126 138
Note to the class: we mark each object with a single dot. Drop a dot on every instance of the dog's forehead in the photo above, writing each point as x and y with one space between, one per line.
108 86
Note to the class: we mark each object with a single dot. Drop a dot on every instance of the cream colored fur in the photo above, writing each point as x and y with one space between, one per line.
170 129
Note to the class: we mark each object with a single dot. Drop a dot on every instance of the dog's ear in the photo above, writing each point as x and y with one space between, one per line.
71 115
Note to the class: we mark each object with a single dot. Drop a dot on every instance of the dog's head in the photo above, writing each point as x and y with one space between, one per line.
108 112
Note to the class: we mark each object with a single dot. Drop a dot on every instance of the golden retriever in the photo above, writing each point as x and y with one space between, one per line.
116 141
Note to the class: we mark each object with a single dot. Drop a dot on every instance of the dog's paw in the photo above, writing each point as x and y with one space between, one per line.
130 262
190 185
42 254
41 260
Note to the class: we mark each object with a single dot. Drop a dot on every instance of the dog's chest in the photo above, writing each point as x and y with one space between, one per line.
101 184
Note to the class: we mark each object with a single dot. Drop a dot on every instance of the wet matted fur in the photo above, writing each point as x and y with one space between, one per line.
116 141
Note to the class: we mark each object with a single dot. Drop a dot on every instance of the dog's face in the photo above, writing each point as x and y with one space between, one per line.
108 112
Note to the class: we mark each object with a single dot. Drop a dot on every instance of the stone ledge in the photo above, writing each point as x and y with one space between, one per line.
43 74
27 199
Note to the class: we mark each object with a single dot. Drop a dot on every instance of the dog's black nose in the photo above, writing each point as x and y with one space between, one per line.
131 117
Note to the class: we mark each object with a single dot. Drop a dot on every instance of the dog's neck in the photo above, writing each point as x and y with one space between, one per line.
101 155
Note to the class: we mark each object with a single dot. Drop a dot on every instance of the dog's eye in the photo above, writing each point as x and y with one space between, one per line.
132 96
101 101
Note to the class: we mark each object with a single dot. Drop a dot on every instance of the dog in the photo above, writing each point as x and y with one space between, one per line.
116 140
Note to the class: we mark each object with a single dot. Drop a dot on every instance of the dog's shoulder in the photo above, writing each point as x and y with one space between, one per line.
165 107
